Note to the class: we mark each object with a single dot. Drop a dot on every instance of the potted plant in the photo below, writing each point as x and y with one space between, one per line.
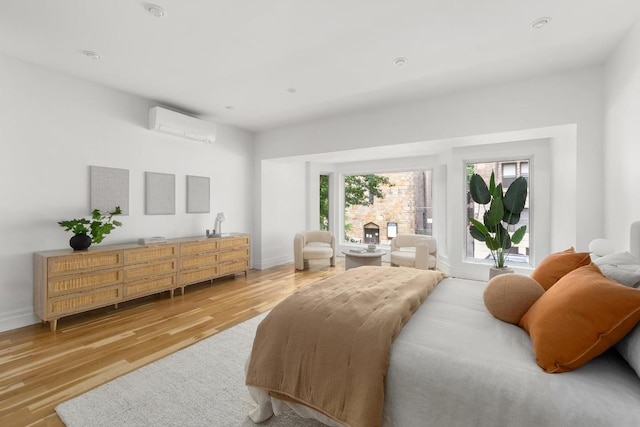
91 230
503 210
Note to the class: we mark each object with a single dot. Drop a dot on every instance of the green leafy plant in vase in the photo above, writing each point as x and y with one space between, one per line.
500 211
91 230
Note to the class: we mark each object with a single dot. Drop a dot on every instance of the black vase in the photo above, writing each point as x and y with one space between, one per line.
80 242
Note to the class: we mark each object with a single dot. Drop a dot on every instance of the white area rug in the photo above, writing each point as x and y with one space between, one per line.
202 385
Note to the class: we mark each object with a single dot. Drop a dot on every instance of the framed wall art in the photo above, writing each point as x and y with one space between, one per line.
160 192
109 188
198 194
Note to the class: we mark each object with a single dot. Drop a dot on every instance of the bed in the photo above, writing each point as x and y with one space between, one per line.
454 364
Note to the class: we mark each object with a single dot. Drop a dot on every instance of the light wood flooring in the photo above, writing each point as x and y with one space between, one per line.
40 369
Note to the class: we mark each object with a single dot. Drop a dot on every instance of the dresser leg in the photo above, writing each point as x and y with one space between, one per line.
171 292
53 324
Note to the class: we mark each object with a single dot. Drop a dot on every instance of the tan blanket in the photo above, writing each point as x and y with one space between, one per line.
327 346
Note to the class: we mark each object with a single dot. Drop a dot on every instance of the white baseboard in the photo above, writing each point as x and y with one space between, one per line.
444 266
274 262
17 319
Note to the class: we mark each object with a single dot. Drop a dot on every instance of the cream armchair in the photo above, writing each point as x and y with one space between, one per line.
313 245
414 250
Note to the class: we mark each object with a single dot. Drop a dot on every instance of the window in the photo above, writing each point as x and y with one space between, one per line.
324 202
505 173
508 174
380 205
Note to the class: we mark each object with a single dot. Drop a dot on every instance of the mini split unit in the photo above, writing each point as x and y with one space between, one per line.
181 125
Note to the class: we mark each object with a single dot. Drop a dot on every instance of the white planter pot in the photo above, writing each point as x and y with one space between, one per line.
495 271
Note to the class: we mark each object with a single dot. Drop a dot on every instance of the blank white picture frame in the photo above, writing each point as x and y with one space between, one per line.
198 194
160 193
109 188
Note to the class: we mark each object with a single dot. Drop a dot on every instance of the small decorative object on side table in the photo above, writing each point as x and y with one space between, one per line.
217 228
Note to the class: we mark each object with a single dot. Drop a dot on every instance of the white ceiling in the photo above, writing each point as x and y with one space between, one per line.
206 55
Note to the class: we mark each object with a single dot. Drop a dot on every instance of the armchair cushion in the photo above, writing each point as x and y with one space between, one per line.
317 250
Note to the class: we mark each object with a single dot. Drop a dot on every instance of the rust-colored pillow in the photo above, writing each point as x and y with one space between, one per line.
580 317
509 296
554 266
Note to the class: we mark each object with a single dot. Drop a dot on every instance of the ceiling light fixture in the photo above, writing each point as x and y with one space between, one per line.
155 10
91 54
400 61
539 23
292 90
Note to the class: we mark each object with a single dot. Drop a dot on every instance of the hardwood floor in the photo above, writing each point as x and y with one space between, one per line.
40 369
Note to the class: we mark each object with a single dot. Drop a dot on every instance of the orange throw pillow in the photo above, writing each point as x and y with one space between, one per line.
509 296
579 318
556 265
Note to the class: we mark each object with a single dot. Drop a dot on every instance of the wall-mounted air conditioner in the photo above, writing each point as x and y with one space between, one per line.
171 122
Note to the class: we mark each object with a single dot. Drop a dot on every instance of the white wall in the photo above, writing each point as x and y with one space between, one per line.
52 128
622 147
565 108
282 211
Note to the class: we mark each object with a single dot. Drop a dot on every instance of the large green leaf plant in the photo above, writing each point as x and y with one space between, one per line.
503 209
97 226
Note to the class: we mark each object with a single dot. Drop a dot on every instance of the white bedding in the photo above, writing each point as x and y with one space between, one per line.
454 364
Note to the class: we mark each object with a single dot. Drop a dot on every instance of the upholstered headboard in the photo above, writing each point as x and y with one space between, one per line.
634 246
602 247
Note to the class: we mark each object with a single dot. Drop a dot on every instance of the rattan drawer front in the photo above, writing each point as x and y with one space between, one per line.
151 269
195 276
233 267
77 263
234 254
230 242
149 286
197 261
192 248
150 253
62 285
84 301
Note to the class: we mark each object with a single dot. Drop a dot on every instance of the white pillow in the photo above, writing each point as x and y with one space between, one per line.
621 267
629 348
600 248
618 258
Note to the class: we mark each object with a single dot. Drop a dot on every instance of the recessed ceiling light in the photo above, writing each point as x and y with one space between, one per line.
91 54
539 23
292 90
400 61
155 10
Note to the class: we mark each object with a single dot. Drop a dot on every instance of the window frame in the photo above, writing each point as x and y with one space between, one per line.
363 167
340 236
503 160
539 152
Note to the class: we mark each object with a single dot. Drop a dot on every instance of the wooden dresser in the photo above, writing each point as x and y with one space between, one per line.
68 282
